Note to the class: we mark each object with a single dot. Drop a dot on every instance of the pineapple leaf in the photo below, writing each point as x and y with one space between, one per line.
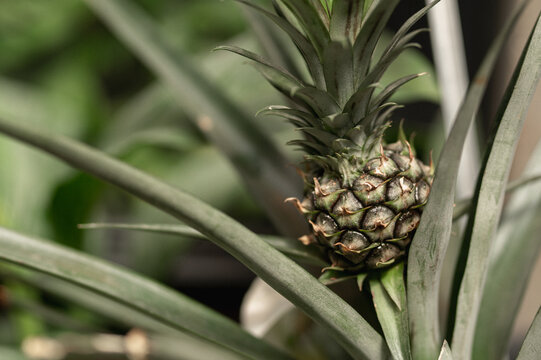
322 11
319 100
292 281
140 294
392 280
279 78
271 42
294 115
260 60
392 313
462 207
311 22
445 353
305 47
346 20
390 89
289 247
360 101
489 198
365 43
89 299
309 147
514 253
403 31
360 280
531 348
429 245
226 125
322 136
338 69
331 276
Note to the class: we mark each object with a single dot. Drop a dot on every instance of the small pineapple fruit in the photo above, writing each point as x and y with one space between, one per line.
362 197
367 220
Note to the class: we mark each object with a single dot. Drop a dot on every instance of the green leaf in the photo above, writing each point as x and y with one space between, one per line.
360 280
279 78
306 48
390 89
290 247
531 348
489 199
429 245
514 253
462 207
331 276
445 353
389 294
320 101
338 70
137 292
257 159
393 282
346 20
371 30
260 60
293 282
89 299
271 41
311 22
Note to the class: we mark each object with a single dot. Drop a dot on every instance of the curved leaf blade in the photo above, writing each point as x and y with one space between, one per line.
429 246
290 247
531 348
293 282
462 207
257 159
514 253
137 292
490 196
303 44
389 294
445 353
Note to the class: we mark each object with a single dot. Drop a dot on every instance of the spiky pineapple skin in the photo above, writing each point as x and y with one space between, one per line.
369 222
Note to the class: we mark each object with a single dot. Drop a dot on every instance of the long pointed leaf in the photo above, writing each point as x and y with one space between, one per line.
139 293
293 282
490 197
428 248
346 20
91 300
312 23
290 247
531 348
371 30
257 159
305 47
270 41
515 251
462 207
338 70
389 294
445 353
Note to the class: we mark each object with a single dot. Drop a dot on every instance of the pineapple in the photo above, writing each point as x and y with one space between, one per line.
362 197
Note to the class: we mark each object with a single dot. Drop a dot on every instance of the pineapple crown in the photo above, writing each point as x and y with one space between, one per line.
338 109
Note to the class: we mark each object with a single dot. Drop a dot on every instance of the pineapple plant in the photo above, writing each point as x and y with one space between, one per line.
370 204
362 197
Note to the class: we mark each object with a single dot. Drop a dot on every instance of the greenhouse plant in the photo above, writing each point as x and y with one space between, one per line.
361 217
